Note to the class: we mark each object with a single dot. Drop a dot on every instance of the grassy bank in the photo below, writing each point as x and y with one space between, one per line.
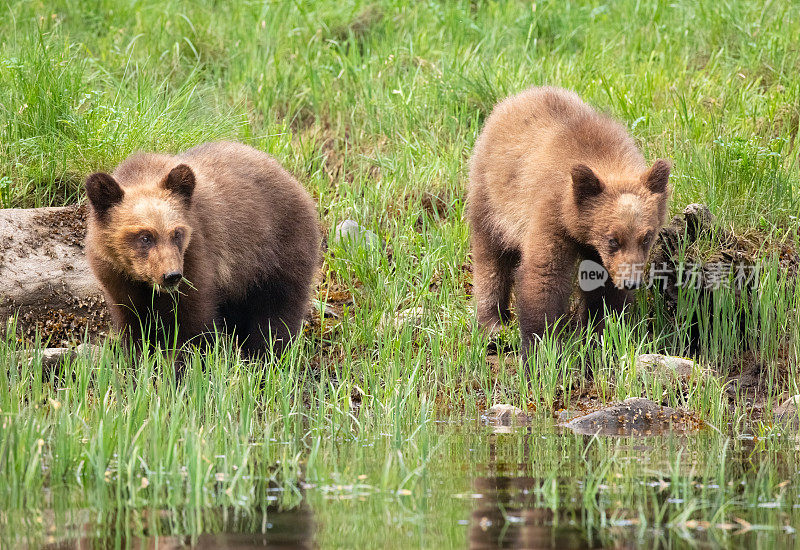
114 452
374 107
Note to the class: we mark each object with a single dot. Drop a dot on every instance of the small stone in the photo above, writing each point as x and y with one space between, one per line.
53 357
788 413
412 316
349 232
634 416
566 415
325 310
505 414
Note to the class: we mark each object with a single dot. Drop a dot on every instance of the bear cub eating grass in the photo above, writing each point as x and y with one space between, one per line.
219 235
553 182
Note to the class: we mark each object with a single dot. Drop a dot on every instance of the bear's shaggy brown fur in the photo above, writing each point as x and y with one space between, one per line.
551 182
219 236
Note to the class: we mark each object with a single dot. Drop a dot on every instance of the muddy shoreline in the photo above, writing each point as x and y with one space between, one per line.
46 281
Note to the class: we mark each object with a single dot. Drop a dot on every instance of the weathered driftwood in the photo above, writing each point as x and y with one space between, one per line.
44 276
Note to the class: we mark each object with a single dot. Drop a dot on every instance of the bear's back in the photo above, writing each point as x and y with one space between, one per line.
257 220
546 130
523 158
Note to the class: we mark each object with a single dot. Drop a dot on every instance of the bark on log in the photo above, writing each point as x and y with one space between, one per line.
44 276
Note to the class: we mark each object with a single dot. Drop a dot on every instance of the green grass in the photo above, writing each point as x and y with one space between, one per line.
120 451
372 106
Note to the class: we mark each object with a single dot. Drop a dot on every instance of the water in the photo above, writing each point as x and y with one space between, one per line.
465 484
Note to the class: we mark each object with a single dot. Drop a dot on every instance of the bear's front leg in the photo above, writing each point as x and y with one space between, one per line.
196 312
608 297
543 288
127 305
126 322
275 313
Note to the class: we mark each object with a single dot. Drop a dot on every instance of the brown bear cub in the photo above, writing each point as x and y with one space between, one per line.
553 182
220 236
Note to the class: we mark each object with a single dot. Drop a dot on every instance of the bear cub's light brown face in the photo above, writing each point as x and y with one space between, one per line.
144 227
624 218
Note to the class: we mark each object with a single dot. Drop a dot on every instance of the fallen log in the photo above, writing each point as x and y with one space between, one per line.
45 279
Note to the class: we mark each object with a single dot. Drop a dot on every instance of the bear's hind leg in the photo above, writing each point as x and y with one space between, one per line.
276 311
492 278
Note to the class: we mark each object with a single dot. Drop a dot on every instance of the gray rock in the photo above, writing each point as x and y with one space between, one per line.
788 413
53 357
670 368
634 416
412 316
505 415
349 233
655 361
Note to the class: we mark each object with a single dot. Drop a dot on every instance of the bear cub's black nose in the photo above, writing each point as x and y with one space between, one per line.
173 278
631 284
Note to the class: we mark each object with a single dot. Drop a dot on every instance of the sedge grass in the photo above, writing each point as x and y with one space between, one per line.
371 106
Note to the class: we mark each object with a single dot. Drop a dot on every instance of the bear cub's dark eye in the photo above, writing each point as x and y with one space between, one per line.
177 238
146 239
613 244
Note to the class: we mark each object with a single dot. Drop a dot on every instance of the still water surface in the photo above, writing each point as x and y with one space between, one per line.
466 484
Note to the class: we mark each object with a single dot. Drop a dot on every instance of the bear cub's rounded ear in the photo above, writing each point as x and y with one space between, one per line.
103 192
585 183
181 181
657 177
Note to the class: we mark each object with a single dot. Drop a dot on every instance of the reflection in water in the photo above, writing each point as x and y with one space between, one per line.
502 526
535 530
217 528
506 515
590 480
463 485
